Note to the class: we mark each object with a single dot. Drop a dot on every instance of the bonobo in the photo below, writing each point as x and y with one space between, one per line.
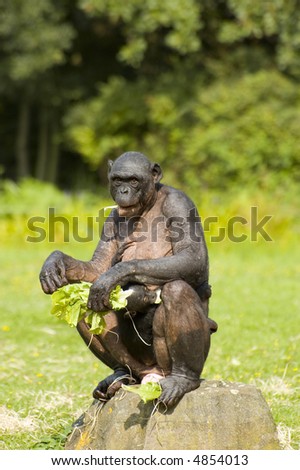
153 243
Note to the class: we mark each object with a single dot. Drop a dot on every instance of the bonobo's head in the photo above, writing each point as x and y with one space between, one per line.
132 181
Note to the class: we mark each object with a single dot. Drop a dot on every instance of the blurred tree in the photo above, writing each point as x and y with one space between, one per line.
34 38
156 39
245 131
207 87
274 23
174 23
206 110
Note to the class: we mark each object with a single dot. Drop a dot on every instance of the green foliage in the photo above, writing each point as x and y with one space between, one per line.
34 37
142 20
276 22
28 197
245 131
209 89
118 297
31 200
69 303
54 441
33 197
238 131
147 392
80 212
105 125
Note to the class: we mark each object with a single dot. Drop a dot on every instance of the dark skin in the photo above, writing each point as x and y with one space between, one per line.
152 240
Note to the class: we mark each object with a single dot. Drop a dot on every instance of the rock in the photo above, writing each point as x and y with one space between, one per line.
217 416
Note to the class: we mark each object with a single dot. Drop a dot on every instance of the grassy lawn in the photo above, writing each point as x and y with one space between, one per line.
257 305
47 374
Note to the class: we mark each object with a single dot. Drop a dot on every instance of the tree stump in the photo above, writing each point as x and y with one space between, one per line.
217 416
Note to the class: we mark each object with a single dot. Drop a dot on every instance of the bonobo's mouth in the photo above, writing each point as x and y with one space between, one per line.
128 211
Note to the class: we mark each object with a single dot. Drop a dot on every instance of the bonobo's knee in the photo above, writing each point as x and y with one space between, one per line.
178 296
176 290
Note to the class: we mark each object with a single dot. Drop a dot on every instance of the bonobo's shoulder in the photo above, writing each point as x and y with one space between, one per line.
175 200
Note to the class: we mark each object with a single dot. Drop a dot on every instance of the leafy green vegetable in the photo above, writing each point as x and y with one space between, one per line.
96 322
118 297
69 303
148 391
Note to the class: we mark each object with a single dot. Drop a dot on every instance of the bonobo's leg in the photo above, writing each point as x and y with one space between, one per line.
108 386
110 349
181 340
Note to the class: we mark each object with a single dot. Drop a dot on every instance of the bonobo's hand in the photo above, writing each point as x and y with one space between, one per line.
99 293
53 273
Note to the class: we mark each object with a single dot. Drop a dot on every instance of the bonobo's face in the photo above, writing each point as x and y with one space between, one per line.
132 181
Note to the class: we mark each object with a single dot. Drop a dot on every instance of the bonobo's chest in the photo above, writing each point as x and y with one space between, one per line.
145 237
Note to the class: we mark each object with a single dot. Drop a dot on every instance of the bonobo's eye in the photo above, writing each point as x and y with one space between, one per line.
134 182
117 181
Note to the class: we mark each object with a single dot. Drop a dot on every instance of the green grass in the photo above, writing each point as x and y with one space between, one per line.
256 303
47 374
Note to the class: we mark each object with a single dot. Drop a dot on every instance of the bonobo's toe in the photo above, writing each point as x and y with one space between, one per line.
174 388
107 388
99 395
110 391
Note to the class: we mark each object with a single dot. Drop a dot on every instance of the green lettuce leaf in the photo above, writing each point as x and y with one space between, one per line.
118 297
96 322
148 391
69 303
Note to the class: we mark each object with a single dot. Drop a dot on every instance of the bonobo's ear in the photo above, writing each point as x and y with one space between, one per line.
156 172
109 166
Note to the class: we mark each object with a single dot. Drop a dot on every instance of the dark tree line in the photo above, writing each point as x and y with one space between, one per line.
209 88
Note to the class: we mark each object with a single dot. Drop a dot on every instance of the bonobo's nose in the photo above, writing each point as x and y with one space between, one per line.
124 190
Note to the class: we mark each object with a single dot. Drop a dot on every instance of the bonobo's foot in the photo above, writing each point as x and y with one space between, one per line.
107 388
174 387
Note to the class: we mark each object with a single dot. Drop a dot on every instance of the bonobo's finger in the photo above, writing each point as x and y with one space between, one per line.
44 278
93 298
91 303
47 285
95 305
56 279
99 295
62 272
95 302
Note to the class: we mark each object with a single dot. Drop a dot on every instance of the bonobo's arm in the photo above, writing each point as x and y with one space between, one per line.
189 261
60 269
